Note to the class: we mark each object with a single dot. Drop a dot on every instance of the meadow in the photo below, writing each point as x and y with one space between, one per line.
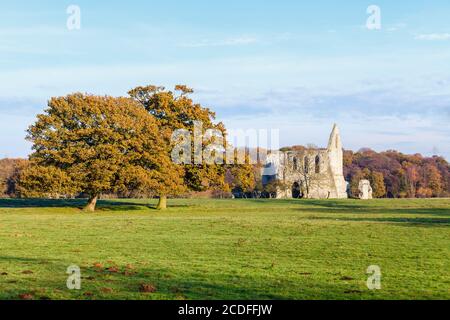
225 249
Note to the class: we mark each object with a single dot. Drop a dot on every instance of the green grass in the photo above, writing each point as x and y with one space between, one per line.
227 249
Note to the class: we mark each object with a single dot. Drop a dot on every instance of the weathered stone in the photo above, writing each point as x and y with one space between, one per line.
365 190
311 173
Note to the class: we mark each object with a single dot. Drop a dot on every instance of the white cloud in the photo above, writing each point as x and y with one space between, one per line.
434 37
397 27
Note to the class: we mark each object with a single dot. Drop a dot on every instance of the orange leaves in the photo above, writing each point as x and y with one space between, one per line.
147 288
26 296
90 144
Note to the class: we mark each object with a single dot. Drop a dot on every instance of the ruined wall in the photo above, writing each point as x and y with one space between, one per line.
312 173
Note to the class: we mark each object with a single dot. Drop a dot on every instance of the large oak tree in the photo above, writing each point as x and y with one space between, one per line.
177 111
98 144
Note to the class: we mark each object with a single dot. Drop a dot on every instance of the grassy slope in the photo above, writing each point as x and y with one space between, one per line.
227 249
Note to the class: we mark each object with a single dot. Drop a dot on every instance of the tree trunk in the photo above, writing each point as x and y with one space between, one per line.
162 203
90 207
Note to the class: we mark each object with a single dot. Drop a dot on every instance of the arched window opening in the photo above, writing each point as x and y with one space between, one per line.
296 191
306 165
317 164
295 164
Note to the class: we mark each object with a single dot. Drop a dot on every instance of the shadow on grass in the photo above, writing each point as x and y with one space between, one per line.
73 203
49 282
380 210
432 216
25 260
437 222
102 205
436 217
41 203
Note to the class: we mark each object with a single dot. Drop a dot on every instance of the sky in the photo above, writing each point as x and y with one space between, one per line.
287 65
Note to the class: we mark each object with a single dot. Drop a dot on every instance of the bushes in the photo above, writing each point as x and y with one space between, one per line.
9 175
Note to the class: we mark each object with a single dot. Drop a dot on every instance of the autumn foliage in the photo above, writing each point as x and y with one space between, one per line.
396 175
88 146
93 145
176 110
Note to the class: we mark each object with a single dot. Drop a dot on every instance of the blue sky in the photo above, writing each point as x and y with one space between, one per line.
259 64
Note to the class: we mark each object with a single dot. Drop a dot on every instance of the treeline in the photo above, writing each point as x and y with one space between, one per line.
9 175
392 175
90 146
396 175
242 180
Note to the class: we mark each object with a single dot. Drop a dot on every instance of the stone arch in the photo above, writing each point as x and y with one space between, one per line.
306 164
295 164
296 191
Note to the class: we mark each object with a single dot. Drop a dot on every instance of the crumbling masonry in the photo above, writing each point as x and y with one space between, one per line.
310 173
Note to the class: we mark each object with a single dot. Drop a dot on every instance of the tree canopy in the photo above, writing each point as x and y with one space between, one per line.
174 111
98 144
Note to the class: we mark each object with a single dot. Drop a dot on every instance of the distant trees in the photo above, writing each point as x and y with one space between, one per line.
378 186
9 174
433 179
376 180
396 175
391 174
354 178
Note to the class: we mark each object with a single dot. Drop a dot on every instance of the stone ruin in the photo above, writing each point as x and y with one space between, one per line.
365 190
320 171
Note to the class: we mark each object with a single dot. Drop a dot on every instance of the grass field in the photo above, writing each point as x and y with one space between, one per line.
226 249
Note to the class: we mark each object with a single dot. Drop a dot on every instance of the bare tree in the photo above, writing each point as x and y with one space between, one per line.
312 173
